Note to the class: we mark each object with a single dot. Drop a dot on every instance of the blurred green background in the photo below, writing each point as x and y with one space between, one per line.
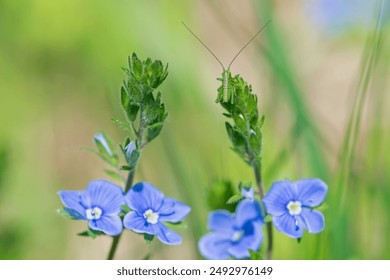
326 116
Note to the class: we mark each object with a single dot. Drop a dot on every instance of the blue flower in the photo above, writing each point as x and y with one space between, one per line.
150 210
100 204
291 203
233 235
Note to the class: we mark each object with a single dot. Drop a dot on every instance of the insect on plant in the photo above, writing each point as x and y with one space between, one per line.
227 91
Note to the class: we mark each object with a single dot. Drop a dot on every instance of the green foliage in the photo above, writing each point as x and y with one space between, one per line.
148 238
219 192
139 101
244 130
234 199
255 255
178 225
63 212
91 233
113 174
106 150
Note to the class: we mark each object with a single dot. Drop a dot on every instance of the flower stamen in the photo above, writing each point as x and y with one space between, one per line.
294 207
151 217
93 213
237 235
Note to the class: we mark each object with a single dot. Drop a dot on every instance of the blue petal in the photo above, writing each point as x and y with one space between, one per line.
288 225
167 207
250 241
280 194
105 195
311 192
313 221
213 246
176 213
166 235
248 211
133 221
109 224
144 196
72 203
222 222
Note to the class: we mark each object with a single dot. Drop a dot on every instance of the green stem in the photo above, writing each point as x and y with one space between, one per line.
116 239
257 171
129 182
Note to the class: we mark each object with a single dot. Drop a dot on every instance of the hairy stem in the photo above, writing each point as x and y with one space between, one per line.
257 171
129 181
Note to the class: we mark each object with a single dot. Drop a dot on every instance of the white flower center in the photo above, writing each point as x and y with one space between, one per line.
93 213
294 207
151 217
237 235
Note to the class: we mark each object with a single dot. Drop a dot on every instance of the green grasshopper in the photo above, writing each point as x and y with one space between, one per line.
227 90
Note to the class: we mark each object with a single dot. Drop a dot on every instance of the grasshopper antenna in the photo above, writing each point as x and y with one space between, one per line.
205 44
258 32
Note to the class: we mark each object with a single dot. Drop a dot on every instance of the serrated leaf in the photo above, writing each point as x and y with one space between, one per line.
113 174
234 199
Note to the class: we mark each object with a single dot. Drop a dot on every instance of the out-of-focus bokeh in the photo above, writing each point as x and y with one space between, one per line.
60 75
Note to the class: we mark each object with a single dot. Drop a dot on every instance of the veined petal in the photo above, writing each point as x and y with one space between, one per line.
167 207
213 246
277 198
109 224
72 201
250 241
144 196
248 210
105 195
313 221
133 221
311 192
176 214
222 222
166 235
288 225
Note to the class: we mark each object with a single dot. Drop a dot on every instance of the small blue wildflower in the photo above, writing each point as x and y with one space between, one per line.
150 210
99 138
233 235
290 204
100 204
248 193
